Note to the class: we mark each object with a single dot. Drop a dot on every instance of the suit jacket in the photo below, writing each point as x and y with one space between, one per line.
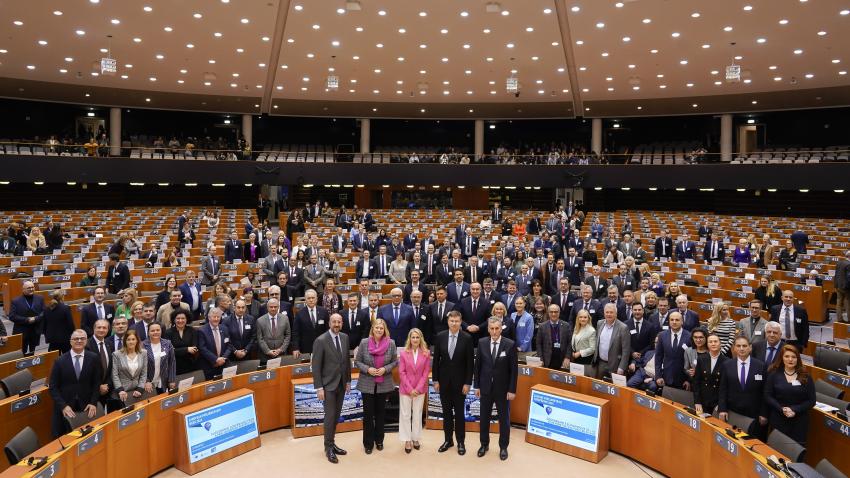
600 289
361 328
760 351
669 363
406 321
423 320
117 278
620 349
370 266
439 322
91 346
479 317
67 390
422 268
246 337
314 280
206 346
58 325
569 300
413 376
88 316
544 341
497 375
408 289
186 290
706 251
685 250
745 328
123 380
339 243
20 312
690 319
364 361
184 361
479 274
331 367
801 322
473 246
453 372
749 400
594 308
304 333
575 270
667 247
451 292
706 382
233 250
267 340
167 362
645 340
624 283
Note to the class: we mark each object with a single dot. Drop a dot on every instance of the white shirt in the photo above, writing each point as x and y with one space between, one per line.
134 363
605 334
157 352
415 356
713 361
787 334
194 292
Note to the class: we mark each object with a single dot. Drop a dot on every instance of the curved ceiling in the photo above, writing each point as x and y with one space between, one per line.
441 57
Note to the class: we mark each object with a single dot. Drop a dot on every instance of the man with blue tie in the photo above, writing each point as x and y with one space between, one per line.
74 383
509 298
690 319
243 333
210 266
398 316
523 280
767 350
642 332
713 252
474 312
742 387
457 290
685 249
670 354
214 345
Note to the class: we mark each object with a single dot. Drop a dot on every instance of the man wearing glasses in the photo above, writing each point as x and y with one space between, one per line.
74 383
26 314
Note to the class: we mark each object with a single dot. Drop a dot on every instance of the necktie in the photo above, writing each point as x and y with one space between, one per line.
472 274
78 367
494 350
416 311
313 316
637 326
217 340
772 350
459 290
663 247
351 320
100 314
104 362
372 315
714 249
563 301
338 347
395 314
787 322
440 312
474 305
452 344
274 324
675 342
743 374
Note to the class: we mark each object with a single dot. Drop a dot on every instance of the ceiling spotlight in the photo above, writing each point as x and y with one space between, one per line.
600 25
798 52
576 9
695 15
505 13
115 21
147 8
423 14
647 20
727 29
547 11
245 20
80 32
168 29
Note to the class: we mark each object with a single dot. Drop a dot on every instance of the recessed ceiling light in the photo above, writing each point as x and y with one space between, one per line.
609 78
718 83
262 65
689 85
585 90
284 67
821 33
809 76
662 86
579 42
359 29
340 10
653 51
197 15
842 72
376 91
189 45
401 58
772 67
547 11
444 60
777 78
265 38
576 9
353 80
761 40
30 67
798 52
844 12
464 14
290 40
727 29
310 55
675 34
605 54
619 4
694 105
240 50
316 26
505 13
561 69
647 20
627 39
660 75
245 20
67 58
529 29
207 83
783 21
706 45
80 32
211 62
104 50
510 45
42 42
160 56
153 78
610 88
124 77
147 8
747 8
444 31
168 29
491 82
600 25
128 65
423 46
489 58
423 14
715 72
355 57
115 21
377 70
58 13
137 40
683 62
836 60
695 15
184 71
379 45
554 43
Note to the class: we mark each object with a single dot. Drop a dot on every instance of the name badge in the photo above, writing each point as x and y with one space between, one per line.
226 339
108 316
685 347
592 311
665 327
798 320
321 322
247 327
758 377
161 354
795 383
504 327
557 345
757 332
502 354
633 331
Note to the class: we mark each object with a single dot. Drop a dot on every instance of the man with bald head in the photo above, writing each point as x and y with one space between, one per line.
214 345
310 322
26 315
670 353
398 316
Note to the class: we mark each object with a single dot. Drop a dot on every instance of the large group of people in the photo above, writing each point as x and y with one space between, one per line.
537 294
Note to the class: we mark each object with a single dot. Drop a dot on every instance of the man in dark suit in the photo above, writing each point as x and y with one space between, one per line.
564 299
331 379
75 380
685 249
670 354
769 349
469 246
443 272
366 267
704 230
103 347
398 316
339 241
117 275
689 317
663 246
598 284
554 345
96 310
452 377
457 290
294 278
495 382
473 272
714 252
793 320
461 231
152 255
354 324
641 331
310 322
26 314
742 387
243 331
414 284
800 240
191 290
439 312
624 280
574 266
233 249
214 345
496 213
422 313
210 266
474 311
588 303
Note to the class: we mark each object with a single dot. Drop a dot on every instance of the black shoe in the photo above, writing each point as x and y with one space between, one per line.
408 450
379 446
461 449
339 451
416 445
368 450
445 446
503 454
482 451
331 456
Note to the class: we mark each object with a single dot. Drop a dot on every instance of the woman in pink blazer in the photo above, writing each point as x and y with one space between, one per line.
414 366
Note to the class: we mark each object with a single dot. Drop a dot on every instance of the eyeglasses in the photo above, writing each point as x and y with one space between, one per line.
78 339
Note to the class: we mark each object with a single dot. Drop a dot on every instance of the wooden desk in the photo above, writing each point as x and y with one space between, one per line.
38 365
34 410
841 330
13 342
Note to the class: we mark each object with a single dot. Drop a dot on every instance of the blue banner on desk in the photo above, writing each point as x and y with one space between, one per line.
471 406
309 410
564 420
221 427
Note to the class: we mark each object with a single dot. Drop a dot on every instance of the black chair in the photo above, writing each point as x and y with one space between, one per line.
198 375
9 356
838 403
21 445
828 389
828 470
81 418
17 382
246 366
741 421
786 445
683 397
834 360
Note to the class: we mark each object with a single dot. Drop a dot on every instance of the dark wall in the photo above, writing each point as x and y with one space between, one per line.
635 131
153 123
321 131
28 119
825 127
525 134
440 133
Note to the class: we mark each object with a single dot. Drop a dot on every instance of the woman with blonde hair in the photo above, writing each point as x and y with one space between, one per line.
376 358
414 364
125 308
768 292
722 324
765 252
36 242
583 340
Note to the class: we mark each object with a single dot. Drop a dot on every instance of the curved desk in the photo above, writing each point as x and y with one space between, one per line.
653 431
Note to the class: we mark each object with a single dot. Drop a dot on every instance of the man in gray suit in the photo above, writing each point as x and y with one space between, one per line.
613 344
314 275
753 327
210 267
273 332
332 379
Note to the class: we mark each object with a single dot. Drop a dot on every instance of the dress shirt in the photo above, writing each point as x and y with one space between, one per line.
605 333
787 315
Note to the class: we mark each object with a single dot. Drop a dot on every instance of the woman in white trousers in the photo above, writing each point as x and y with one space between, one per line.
414 366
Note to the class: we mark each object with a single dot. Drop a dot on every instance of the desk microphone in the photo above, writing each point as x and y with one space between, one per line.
36 462
59 439
774 463
85 430
785 466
